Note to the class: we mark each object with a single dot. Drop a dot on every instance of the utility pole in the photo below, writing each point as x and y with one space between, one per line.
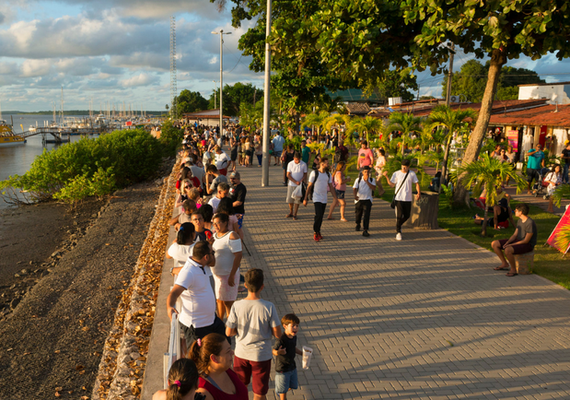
449 76
221 33
266 101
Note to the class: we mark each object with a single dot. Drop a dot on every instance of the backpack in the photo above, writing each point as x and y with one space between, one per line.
317 174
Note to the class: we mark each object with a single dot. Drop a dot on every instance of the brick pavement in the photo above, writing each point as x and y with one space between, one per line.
425 318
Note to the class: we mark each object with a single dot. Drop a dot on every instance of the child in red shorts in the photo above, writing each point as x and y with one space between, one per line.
254 322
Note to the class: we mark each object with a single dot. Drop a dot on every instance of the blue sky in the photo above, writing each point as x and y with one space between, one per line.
114 51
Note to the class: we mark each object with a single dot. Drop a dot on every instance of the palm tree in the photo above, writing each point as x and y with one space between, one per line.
488 173
452 121
317 120
368 125
406 124
338 120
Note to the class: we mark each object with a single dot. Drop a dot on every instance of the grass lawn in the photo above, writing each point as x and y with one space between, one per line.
548 262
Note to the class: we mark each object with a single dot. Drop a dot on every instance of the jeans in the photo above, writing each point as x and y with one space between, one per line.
319 213
259 158
403 210
360 207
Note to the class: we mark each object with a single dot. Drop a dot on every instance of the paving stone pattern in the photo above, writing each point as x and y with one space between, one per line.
424 318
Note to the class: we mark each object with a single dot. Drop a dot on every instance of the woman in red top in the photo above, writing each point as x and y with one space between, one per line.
213 356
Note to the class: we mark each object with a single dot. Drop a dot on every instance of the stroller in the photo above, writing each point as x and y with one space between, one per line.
539 187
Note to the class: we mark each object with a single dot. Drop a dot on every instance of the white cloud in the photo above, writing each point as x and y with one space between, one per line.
141 79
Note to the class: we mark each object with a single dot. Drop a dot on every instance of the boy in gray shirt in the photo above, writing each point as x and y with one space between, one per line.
522 241
254 322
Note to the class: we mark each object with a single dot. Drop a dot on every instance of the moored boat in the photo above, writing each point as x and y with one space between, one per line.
7 135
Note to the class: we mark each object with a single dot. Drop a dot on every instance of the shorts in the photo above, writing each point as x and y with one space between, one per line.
289 199
240 222
285 381
233 156
223 171
276 153
223 290
532 174
191 334
518 248
255 371
339 194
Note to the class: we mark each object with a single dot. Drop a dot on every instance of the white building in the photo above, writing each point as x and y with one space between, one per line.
556 93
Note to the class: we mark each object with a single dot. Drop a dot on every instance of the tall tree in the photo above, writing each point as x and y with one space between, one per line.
234 96
500 29
470 81
188 102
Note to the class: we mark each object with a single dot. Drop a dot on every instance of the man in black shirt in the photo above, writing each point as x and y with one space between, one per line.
238 192
566 157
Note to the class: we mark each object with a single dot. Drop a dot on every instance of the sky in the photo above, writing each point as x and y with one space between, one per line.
108 52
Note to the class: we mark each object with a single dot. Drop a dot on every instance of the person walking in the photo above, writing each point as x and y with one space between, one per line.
296 174
365 156
339 181
363 189
319 181
403 196
277 143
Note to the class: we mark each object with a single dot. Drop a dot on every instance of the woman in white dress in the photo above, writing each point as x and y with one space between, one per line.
227 246
553 178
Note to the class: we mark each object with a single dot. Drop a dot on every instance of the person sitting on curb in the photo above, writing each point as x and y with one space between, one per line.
501 212
522 241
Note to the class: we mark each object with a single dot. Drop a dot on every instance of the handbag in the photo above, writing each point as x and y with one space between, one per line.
393 203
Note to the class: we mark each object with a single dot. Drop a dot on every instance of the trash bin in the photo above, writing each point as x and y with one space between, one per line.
424 211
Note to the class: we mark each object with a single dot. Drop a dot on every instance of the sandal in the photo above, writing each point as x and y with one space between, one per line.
344 220
295 217
501 268
509 274
330 218
289 215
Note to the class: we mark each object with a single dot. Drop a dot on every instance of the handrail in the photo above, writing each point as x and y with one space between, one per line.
173 348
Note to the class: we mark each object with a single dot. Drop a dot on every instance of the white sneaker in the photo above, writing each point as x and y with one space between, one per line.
398 236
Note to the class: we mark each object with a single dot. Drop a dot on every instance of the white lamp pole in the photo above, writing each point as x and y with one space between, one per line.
266 101
221 33
215 98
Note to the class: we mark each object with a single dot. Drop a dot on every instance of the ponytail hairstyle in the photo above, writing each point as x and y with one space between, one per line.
182 378
185 234
202 349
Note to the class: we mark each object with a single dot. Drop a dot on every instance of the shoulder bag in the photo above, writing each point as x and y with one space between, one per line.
393 203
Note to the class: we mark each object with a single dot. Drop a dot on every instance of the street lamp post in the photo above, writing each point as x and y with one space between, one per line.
266 101
221 33
215 98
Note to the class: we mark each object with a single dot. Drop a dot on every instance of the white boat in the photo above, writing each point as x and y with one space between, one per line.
7 135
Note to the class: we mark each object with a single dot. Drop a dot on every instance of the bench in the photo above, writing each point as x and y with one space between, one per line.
524 263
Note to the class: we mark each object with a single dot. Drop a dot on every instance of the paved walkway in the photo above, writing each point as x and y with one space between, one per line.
423 318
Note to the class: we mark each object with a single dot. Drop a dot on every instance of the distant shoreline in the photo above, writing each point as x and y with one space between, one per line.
69 112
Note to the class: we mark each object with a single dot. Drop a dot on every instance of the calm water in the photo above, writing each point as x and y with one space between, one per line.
16 160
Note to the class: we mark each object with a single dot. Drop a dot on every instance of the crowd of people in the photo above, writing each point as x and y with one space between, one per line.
207 252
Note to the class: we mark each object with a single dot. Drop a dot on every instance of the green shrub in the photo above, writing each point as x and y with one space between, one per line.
89 167
170 137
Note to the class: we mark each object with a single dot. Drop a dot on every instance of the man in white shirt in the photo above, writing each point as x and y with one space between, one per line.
198 315
296 174
403 184
319 180
363 189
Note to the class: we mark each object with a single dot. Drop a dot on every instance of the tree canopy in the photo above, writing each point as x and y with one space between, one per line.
234 96
188 102
472 79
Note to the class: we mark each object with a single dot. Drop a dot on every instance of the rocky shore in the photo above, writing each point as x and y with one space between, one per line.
62 275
